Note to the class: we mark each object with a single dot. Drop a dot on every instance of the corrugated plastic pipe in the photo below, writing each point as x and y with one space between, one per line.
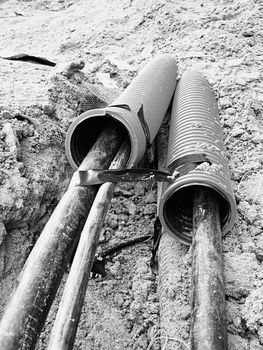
140 108
195 128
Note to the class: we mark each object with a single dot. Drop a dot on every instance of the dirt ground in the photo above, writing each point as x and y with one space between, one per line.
130 308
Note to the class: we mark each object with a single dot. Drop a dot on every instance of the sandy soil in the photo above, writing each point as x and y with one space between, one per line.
223 40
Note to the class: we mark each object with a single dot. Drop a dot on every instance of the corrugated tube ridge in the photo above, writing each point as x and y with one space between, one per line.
195 128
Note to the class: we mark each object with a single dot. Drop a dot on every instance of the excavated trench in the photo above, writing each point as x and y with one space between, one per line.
127 308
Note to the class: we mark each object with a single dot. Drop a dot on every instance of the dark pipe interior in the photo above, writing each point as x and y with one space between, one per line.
86 133
178 211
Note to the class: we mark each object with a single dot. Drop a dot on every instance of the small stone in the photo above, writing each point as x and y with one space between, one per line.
230 120
129 325
121 234
122 192
11 140
257 137
150 198
131 207
240 81
225 102
118 36
126 304
116 269
185 312
118 299
237 131
153 308
255 231
123 219
231 110
150 209
139 189
3 232
6 115
124 312
113 224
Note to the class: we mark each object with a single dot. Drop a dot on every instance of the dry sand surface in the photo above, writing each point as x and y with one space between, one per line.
115 39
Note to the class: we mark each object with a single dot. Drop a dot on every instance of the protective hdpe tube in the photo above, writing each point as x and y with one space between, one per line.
140 109
195 129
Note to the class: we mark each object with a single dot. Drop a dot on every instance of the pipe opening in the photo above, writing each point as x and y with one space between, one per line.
178 212
87 132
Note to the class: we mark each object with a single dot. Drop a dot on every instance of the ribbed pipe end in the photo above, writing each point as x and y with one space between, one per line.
85 129
147 98
195 128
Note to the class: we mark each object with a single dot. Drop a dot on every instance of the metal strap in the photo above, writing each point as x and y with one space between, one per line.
178 168
142 120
